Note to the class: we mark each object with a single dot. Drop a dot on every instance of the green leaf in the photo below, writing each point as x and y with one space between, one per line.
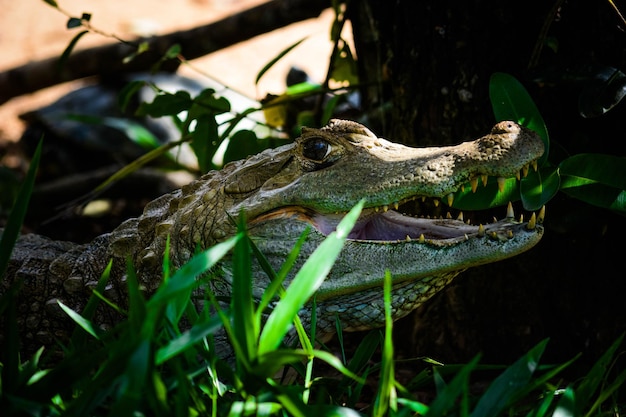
80 320
207 101
242 301
127 92
276 59
74 22
172 52
386 395
242 144
344 66
486 196
595 378
306 282
186 277
505 387
539 187
187 339
446 399
66 53
596 179
203 143
166 105
566 407
511 101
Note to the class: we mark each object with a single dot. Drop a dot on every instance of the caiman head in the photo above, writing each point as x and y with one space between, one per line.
313 182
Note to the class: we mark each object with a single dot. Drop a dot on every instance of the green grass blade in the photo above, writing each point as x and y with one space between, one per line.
595 377
18 212
185 278
187 339
505 387
447 397
276 59
386 397
245 324
306 282
10 349
566 407
80 320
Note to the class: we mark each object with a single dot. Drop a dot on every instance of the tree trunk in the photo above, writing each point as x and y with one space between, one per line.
430 62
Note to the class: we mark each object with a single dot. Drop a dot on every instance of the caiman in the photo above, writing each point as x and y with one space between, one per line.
308 184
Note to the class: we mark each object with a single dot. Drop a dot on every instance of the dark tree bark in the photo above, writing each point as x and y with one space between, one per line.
430 62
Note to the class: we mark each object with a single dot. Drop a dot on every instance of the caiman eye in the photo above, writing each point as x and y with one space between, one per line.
316 149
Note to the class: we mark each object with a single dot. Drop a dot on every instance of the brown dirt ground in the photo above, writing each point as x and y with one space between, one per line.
32 30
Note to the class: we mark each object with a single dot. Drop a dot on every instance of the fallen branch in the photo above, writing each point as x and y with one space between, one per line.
194 43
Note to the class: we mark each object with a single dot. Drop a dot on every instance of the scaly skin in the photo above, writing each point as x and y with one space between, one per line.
283 191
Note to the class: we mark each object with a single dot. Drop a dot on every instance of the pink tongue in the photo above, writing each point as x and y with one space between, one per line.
392 226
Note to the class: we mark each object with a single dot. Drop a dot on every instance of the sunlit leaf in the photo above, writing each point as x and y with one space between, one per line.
307 280
596 179
486 196
539 187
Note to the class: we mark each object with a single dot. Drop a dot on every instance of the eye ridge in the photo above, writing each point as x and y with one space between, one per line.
316 149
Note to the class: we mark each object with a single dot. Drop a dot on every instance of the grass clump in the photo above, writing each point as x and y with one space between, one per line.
168 359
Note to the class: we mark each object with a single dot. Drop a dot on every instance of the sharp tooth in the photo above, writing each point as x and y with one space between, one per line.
484 179
408 238
468 222
525 170
462 188
376 209
494 235
518 176
532 222
501 183
436 202
396 205
521 218
466 236
474 184
460 217
510 214
448 215
494 219
510 234
450 199
534 164
481 230
423 198
385 208
422 238
542 215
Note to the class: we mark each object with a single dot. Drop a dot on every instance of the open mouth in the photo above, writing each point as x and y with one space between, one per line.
392 226
384 225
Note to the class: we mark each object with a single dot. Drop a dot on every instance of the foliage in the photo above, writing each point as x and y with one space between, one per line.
594 178
162 359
